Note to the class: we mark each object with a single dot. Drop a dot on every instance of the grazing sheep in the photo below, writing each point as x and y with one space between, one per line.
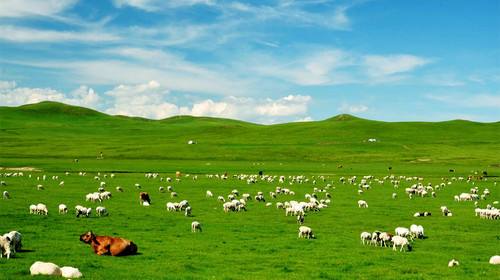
41 209
305 232
32 209
15 240
101 211
362 204
187 211
161 189
403 232
173 194
385 239
445 210
495 260
394 195
417 231
39 187
82 211
70 272
453 263
300 219
63 209
195 226
6 195
144 197
365 237
5 246
209 194
400 241
119 189
45 268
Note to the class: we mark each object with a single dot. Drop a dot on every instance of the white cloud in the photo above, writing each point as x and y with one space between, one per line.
353 109
23 8
22 34
484 100
378 65
11 95
155 5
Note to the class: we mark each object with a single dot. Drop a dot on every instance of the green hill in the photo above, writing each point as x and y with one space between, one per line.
59 131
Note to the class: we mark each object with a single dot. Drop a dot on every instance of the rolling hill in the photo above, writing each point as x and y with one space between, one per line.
59 131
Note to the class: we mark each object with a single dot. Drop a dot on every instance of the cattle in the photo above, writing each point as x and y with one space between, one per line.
108 245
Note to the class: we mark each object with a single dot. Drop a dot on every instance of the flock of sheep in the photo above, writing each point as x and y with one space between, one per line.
285 199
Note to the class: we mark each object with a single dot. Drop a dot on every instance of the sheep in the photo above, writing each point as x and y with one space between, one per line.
300 219
453 263
161 189
221 198
15 240
32 209
105 195
306 232
45 268
101 211
365 237
39 187
417 231
6 195
80 210
5 246
41 209
63 209
173 194
362 204
269 204
445 210
385 239
394 195
171 207
119 189
400 241
70 272
495 260
402 231
187 211
209 194
195 226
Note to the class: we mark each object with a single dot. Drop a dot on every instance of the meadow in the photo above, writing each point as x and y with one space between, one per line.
261 243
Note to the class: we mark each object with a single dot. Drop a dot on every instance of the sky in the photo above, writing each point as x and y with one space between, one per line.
260 61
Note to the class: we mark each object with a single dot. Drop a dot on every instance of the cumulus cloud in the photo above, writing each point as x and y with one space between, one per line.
353 109
12 95
151 100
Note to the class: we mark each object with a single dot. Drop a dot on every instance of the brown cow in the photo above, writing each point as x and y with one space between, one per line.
144 197
108 245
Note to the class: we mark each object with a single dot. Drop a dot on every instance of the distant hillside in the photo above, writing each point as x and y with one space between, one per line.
50 129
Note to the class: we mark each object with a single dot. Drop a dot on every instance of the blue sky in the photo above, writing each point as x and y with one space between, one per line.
260 61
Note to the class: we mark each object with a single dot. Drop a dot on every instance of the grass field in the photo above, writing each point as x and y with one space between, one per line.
261 243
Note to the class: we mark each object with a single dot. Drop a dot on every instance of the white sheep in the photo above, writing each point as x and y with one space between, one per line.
119 189
195 226
402 231
80 210
400 241
453 263
45 268
41 209
15 240
6 195
161 189
173 194
101 211
305 232
63 209
32 209
209 194
417 231
5 246
495 260
70 272
394 195
362 204
187 211
365 237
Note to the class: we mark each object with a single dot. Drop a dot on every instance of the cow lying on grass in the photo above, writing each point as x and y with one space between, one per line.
108 245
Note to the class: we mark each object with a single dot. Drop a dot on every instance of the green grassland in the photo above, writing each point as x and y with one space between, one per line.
261 243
